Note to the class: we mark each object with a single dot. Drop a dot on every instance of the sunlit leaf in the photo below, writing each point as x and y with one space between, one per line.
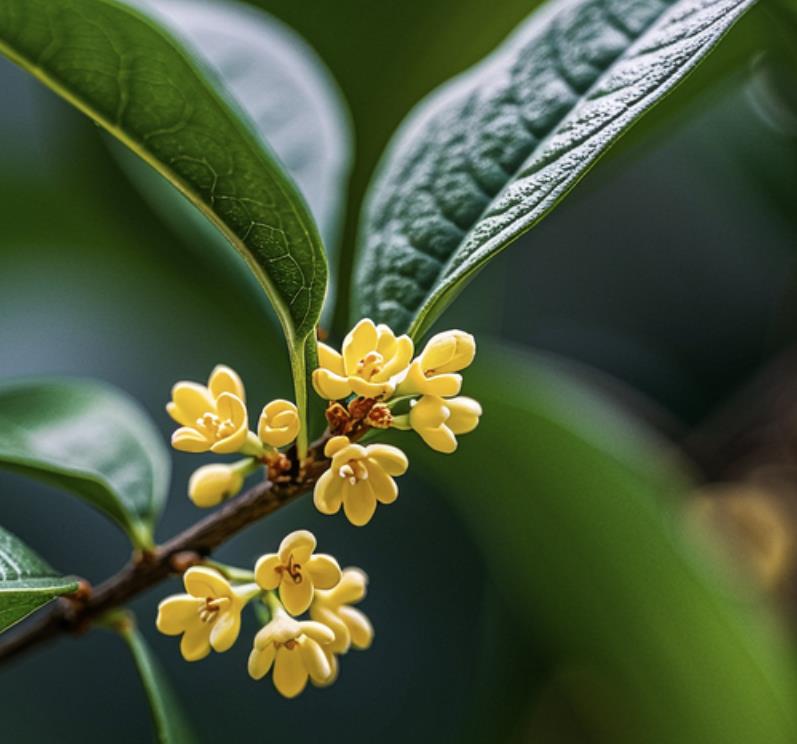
491 153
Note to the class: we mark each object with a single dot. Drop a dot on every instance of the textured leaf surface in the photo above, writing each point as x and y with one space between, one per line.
90 439
576 508
26 581
142 85
280 82
171 725
491 153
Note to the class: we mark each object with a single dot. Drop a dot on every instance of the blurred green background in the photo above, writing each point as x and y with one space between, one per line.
637 372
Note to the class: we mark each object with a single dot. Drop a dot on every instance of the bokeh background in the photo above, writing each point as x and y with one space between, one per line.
639 372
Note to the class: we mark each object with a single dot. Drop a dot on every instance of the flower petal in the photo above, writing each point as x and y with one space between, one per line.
299 544
190 401
175 613
384 487
328 493
330 359
442 385
188 439
195 643
440 439
225 630
330 386
351 588
335 445
260 661
400 360
358 342
231 444
465 413
367 389
317 631
223 379
342 640
266 574
392 459
359 503
290 674
315 661
324 571
360 628
203 582
296 596
231 407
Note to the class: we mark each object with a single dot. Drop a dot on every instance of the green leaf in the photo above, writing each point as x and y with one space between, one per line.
171 724
290 96
26 581
144 87
92 440
491 153
576 507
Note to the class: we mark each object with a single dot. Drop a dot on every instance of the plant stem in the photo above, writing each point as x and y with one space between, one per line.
150 568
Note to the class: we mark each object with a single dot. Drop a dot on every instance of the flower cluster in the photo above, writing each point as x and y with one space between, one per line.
367 384
282 586
373 384
214 418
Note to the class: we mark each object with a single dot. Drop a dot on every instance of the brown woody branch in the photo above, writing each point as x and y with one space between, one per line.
76 614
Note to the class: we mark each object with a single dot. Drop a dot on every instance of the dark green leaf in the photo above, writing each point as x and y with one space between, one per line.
143 86
26 581
494 151
575 506
90 439
290 96
171 724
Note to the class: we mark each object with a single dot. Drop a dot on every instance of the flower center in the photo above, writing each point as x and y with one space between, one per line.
370 365
210 610
217 428
289 644
294 570
353 471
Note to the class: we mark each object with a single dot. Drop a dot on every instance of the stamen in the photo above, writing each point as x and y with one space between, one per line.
370 365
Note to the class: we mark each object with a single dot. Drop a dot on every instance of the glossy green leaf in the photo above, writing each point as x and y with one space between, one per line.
26 581
144 87
575 507
91 439
168 718
290 96
491 153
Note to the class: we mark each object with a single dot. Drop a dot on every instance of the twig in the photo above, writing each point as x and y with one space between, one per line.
145 571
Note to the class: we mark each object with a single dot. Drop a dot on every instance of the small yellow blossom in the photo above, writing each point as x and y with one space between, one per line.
208 616
371 363
279 423
212 484
433 372
211 418
296 571
296 651
438 420
331 607
358 477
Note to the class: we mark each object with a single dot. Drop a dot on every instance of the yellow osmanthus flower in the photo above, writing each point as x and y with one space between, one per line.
358 477
212 484
279 423
433 371
331 607
211 418
371 363
438 421
208 616
296 651
297 571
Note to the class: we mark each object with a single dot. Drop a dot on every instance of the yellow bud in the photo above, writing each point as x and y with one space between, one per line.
449 351
279 423
211 484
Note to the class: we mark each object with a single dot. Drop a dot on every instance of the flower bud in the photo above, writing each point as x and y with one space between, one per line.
434 371
279 423
211 484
